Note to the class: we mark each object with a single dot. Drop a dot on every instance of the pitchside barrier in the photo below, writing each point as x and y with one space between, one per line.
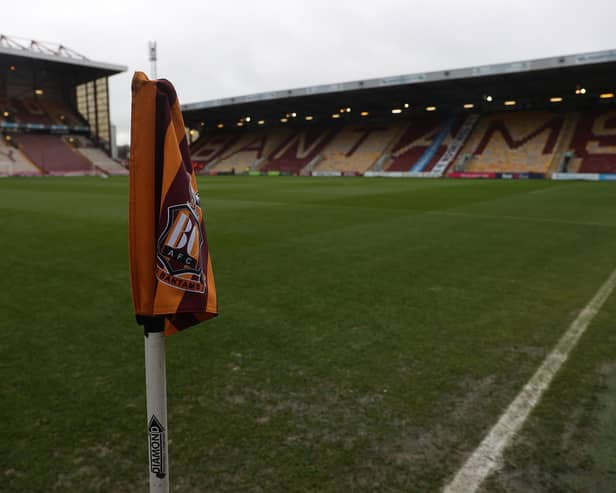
429 174
585 176
401 174
497 176
326 173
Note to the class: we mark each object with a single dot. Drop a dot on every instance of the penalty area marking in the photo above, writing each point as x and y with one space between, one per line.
487 457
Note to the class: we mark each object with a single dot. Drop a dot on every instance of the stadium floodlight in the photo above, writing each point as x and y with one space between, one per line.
468 106
556 99
510 103
153 57
430 108
606 95
396 111
261 122
309 117
336 115
364 113
38 92
284 120
220 125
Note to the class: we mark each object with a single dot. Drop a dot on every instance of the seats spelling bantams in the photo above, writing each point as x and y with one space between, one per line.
594 142
356 148
422 143
299 149
505 141
514 141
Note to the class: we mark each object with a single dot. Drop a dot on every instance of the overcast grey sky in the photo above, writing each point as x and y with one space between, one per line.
211 49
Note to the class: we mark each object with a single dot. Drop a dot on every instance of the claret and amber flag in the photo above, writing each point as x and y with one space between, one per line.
171 268
170 264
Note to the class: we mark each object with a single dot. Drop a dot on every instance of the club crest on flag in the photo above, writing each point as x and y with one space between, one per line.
179 248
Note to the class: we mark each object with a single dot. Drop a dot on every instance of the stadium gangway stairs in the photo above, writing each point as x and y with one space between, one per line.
434 146
380 163
455 146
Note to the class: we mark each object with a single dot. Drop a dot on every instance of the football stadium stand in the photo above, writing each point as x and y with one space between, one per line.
61 113
594 142
41 112
299 150
527 119
248 151
100 159
28 110
49 93
53 155
356 148
422 144
455 141
522 141
211 147
13 162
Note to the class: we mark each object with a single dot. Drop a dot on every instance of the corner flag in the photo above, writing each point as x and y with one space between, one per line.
170 267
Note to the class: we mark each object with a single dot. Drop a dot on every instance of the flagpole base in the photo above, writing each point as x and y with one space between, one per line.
156 396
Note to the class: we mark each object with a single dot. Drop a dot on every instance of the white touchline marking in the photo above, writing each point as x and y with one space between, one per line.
487 457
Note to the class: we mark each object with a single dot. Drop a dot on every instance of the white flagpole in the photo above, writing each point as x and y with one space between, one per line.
156 395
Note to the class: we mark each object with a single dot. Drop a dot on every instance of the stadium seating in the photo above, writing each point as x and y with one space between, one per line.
4 106
60 113
211 147
99 158
594 142
357 147
40 111
514 142
299 149
53 155
249 150
13 162
416 140
30 111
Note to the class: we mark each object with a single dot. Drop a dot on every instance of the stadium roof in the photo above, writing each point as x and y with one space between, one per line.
530 83
15 50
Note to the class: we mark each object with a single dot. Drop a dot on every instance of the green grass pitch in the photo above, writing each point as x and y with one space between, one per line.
371 332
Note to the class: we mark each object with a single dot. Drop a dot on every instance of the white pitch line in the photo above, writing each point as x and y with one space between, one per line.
487 457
